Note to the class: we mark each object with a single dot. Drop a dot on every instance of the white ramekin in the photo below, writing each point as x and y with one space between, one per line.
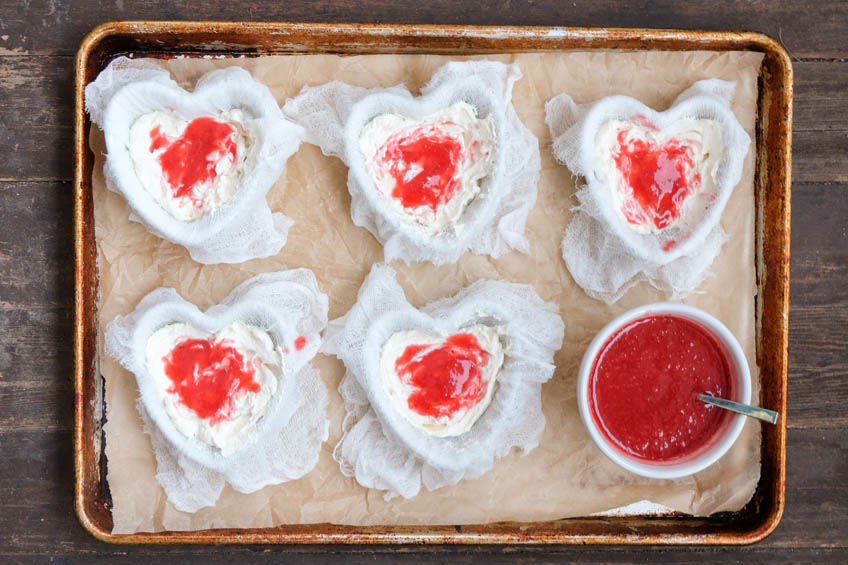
729 433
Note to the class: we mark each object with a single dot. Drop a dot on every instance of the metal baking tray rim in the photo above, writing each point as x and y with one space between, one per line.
773 202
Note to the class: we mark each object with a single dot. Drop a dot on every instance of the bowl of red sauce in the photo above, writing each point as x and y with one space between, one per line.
638 389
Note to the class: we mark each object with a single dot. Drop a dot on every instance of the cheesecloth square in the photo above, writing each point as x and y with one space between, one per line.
383 450
334 114
605 257
286 442
242 228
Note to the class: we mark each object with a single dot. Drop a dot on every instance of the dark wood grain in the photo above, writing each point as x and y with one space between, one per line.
38 39
36 117
809 29
818 321
820 130
36 306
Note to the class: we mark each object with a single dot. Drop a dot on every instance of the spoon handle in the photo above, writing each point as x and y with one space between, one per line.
763 414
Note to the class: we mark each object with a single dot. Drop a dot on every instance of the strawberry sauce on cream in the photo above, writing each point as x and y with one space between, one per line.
660 178
208 375
191 167
442 383
216 386
190 160
446 378
429 169
423 164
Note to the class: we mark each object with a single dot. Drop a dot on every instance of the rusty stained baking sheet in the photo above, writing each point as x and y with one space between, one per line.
772 194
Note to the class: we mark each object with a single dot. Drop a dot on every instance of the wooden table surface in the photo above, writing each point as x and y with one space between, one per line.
38 40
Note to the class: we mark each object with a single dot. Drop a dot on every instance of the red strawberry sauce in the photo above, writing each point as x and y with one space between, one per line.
207 376
644 385
189 160
660 177
424 164
447 377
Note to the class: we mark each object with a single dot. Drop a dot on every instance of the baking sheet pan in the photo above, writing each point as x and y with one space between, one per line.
772 237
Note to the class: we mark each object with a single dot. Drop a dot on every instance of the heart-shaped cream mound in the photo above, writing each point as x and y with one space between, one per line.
190 168
660 178
195 167
215 386
442 384
429 168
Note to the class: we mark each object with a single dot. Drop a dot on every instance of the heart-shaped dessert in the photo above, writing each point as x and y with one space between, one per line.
433 176
658 180
194 166
218 381
442 384
661 179
439 440
427 165
453 385
190 168
429 169
217 385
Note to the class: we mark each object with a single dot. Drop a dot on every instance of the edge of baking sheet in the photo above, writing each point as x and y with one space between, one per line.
772 193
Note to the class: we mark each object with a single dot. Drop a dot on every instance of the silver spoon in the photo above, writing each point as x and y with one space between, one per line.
763 414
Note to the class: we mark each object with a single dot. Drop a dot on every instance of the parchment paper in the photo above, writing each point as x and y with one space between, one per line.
566 475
